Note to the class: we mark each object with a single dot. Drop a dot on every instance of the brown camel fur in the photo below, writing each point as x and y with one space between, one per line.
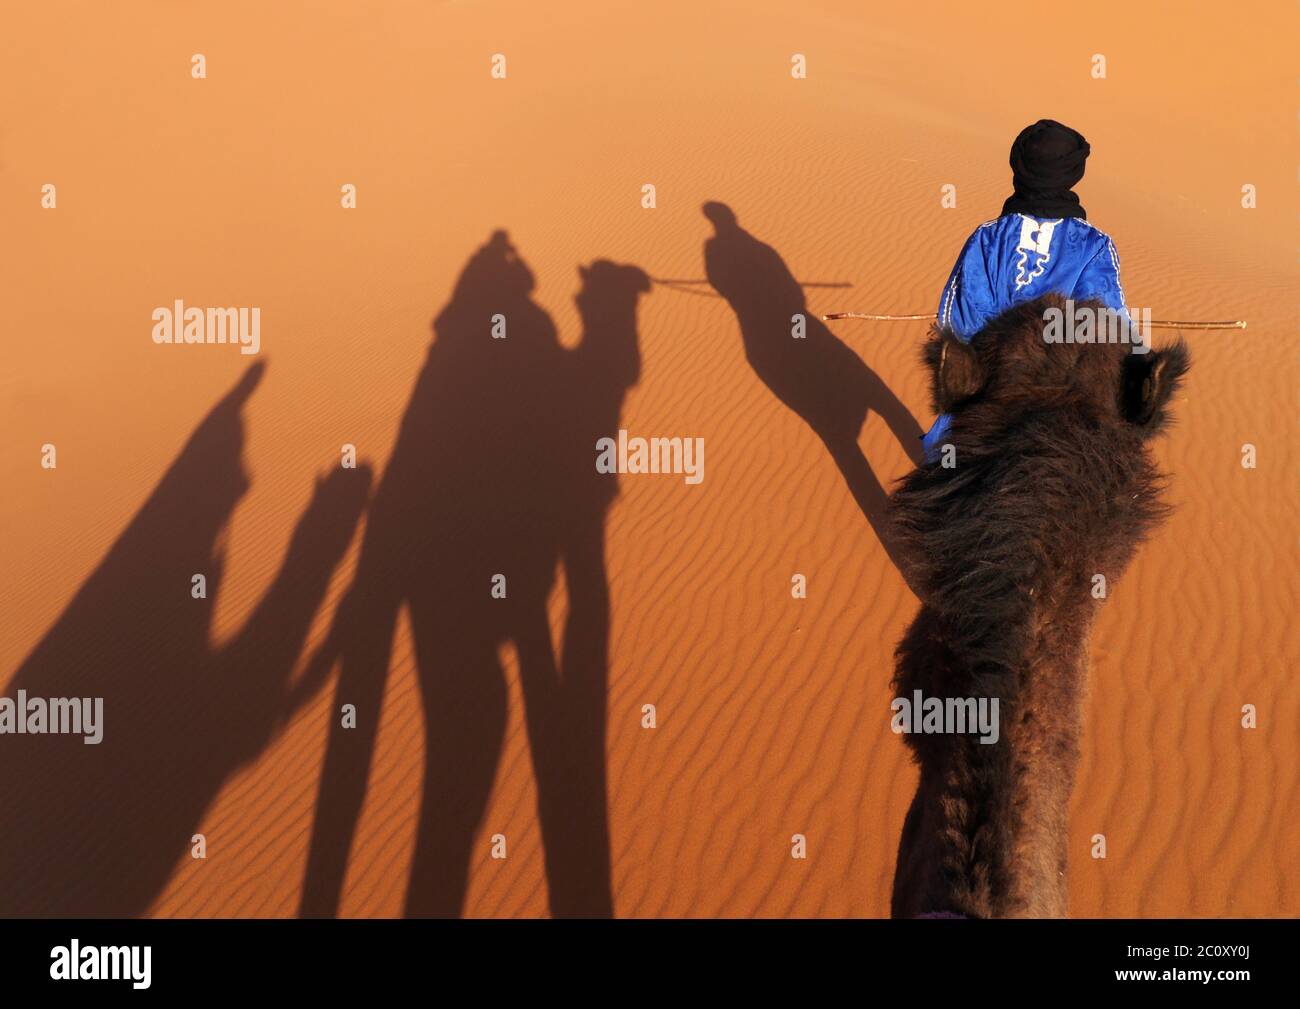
1052 484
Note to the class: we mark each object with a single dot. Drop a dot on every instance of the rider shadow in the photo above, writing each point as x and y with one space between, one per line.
817 376
97 830
492 483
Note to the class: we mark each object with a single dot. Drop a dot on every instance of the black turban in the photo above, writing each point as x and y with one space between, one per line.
1046 163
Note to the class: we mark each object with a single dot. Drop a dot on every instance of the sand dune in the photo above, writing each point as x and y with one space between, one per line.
772 711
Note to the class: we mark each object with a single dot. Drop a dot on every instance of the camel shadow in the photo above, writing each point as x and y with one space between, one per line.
491 488
97 830
816 376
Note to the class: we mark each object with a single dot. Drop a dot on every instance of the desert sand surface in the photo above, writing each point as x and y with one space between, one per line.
772 712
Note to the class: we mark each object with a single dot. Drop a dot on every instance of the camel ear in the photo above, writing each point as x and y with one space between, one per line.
1147 383
956 368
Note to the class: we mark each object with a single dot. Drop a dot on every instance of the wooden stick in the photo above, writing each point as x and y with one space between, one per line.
801 283
878 318
1168 324
1155 323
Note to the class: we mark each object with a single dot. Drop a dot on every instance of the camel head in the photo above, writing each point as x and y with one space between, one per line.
1011 369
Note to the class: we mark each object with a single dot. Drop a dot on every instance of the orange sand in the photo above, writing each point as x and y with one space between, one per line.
773 712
